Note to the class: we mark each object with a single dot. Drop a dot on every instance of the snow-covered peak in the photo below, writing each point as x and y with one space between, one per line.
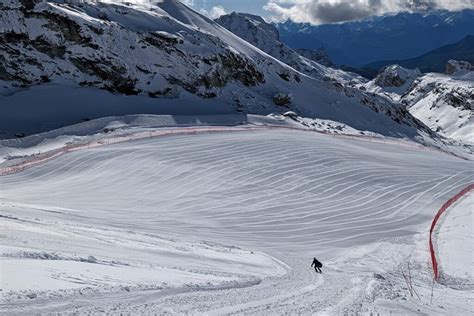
265 36
250 27
254 30
396 76
393 81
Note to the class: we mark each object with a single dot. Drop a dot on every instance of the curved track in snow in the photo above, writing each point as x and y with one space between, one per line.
290 194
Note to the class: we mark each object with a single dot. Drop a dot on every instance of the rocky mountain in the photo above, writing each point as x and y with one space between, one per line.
319 55
455 67
442 101
394 79
166 59
391 37
266 37
435 60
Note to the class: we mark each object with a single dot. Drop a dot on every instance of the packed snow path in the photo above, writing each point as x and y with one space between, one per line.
289 194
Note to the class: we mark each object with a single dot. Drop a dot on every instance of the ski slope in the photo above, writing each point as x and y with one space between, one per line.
455 240
228 223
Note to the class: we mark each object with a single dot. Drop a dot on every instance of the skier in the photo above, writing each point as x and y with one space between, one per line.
317 265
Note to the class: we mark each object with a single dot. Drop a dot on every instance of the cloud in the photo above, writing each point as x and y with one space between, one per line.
214 13
333 11
217 12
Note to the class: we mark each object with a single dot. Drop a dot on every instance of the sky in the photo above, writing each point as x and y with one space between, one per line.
322 11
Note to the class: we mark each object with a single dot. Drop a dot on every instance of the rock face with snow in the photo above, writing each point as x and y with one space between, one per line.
444 102
253 29
392 81
319 55
458 67
102 45
395 76
166 52
266 37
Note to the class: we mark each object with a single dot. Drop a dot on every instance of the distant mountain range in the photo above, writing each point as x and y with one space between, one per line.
435 60
394 37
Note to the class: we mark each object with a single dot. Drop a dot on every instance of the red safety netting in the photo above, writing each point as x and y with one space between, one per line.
443 209
33 160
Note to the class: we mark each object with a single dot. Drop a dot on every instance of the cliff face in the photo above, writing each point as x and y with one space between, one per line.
266 37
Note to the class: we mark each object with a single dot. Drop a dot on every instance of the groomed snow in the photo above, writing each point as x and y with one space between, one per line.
228 223
455 239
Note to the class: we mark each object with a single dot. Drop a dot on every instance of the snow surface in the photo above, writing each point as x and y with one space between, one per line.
213 223
228 223
455 240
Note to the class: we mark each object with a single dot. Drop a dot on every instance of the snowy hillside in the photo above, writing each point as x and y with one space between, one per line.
167 59
444 102
228 223
266 36
319 55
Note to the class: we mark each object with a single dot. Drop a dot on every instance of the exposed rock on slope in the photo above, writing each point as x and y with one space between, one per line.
319 55
95 45
394 80
253 29
396 76
454 67
266 37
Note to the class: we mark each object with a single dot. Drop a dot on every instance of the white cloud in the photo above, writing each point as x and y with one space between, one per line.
332 11
217 12
214 13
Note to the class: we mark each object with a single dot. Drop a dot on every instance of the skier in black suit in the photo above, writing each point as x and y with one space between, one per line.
317 265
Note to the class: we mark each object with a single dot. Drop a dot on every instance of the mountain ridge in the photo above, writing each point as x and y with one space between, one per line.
435 60
399 36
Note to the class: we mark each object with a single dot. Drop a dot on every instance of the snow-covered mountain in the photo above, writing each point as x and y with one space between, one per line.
172 58
394 80
266 37
319 55
444 102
